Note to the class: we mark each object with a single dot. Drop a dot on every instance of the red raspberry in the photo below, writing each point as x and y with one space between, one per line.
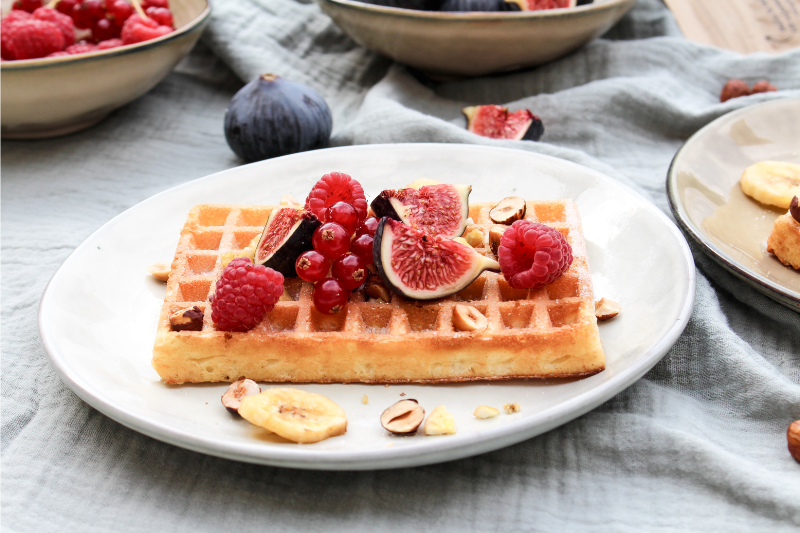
244 294
61 20
336 187
533 255
162 15
62 53
32 38
81 48
137 29
16 16
110 43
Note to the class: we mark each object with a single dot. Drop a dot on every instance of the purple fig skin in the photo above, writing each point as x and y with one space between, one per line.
382 207
283 259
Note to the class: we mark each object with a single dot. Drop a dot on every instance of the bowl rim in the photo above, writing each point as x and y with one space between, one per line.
478 15
44 62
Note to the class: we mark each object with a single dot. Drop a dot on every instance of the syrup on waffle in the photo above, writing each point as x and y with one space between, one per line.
544 333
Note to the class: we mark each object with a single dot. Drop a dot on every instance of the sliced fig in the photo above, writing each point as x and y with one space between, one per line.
496 122
286 235
434 209
423 267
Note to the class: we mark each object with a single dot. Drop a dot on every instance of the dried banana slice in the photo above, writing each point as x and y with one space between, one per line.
772 182
294 414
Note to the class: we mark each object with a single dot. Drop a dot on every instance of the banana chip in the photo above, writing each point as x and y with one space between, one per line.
772 182
294 414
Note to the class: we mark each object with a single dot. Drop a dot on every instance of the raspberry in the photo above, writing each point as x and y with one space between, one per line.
244 294
110 43
162 15
533 255
81 48
137 29
61 20
32 38
335 187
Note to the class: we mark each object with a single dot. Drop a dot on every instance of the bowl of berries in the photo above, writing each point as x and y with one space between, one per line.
456 38
68 63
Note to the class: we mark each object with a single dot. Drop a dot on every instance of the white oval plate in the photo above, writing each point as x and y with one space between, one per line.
708 203
98 314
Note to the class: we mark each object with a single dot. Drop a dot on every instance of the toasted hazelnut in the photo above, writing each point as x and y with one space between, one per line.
189 319
793 439
605 309
734 89
484 411
289 200
240 388
474 237
468 318
495 234
794 209
440 422
375 288
364 399
511 408
508 210
763 86
160 271
403 418
285 297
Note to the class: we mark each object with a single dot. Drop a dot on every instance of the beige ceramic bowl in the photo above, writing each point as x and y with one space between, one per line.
49 97
472 44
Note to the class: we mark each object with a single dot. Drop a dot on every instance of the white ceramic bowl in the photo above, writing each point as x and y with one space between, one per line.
59 95
472 44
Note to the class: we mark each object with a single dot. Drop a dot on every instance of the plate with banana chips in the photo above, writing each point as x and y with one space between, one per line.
731 181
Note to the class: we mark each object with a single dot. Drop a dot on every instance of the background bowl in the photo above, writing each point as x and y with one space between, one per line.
54 96
472 44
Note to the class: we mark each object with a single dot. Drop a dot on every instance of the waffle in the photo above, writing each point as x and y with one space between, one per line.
543 333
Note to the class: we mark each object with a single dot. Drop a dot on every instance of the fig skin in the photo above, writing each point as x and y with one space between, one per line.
285 256
270 117
478 5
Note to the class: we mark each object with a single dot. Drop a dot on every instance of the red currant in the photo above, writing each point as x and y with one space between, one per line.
349 270
154 3
362 247
312 266
368 227
104 29
331 240
65 6
343 214
27 5
119 9
330 297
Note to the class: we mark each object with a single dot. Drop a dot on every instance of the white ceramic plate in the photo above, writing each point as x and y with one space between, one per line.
98 315
704 193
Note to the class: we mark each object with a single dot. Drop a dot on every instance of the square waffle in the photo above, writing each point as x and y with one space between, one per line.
543 333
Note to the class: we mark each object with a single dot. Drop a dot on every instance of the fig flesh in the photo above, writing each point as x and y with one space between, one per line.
496 122
286 235
479 5
420 266
434 209
271 117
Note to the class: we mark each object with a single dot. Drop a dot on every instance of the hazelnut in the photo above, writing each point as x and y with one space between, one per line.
734 89
495 234
794 209
484 411
375 288
189 319
403 418
468 318
508 210
511 408
474 237
240 388
160 271
364 399
605 309
793 439
440 422
763 86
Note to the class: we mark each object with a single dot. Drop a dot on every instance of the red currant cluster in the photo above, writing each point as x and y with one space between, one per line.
342 244
32 30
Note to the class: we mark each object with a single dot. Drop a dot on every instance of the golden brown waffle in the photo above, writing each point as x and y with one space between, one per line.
543 333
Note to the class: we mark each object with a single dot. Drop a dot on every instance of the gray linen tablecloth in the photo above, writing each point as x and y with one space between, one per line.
697 444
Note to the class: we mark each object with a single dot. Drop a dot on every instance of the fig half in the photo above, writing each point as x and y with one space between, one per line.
286 235
440 209
496 122
421 266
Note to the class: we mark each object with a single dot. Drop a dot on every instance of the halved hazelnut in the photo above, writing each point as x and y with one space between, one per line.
605 309
160 271
189 319
374 288
468 318
511 408
495 234
474 237
793 439
240 388
508 210
403 418
794 209
484 411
